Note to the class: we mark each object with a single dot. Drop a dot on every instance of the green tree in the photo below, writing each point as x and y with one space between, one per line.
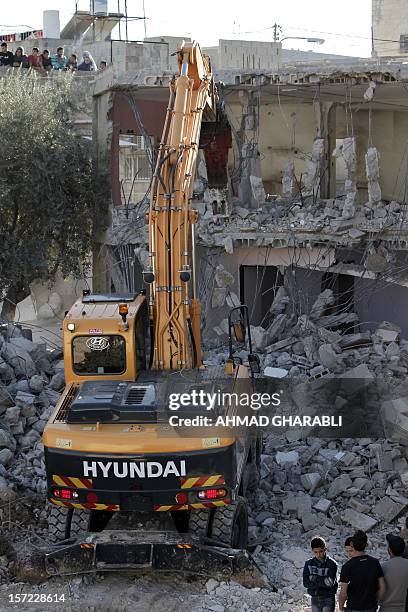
50 192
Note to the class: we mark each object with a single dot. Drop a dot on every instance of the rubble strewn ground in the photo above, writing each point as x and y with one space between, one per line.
308 486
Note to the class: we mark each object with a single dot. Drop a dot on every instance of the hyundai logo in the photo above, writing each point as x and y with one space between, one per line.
97 343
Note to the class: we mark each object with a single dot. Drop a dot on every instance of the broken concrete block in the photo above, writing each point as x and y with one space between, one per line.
284 359
280 301
57 382
258 191
310 520
349 206
5 456
304 504
36 383
328 356
228 244
341 225
373 175
358 520
222 277
19 359
384 460
313 167
296 555
388 332
392 350
288 458
278 346
339 485
389 510
218 297
322 505
7 440
335 320
356 379
404 478
319 372
358 506
12 415
258 337
290 505
355 233
325 299
25 400
310 347
348 151
275 372
241 212
310 452
311 481
277 327
355 340
335 515
288 180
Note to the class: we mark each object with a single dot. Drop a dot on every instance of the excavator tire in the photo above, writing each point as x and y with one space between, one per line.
79 524
58 525
64 523
199 522
230 524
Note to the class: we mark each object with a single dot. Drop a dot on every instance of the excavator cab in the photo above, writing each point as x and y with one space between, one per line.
105 337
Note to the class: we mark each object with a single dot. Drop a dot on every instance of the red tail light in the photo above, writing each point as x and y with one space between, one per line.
65 494
181 498
212 494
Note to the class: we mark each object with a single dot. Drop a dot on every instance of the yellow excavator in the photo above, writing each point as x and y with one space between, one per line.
109 450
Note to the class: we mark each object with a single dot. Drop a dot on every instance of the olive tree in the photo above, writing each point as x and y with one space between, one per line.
50 192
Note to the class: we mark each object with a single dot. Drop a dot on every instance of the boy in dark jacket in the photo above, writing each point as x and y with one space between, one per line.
319 577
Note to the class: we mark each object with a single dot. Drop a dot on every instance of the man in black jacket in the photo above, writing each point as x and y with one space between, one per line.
319 577
6 57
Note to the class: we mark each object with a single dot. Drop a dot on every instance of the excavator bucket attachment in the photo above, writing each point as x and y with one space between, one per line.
161 551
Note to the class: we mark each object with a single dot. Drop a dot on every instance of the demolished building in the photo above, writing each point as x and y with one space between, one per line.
303 190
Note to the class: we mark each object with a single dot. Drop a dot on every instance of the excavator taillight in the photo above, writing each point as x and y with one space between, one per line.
212 494
181 498
92 498
65 494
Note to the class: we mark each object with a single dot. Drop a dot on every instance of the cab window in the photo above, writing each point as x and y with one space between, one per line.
93 355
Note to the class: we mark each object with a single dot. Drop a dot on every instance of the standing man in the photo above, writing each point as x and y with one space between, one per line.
6 56
319 577
396 576
362 582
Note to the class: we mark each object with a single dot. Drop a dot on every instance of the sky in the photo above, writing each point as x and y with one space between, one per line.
345 26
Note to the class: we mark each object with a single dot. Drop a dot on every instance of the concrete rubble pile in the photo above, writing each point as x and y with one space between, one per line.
317 345
338 216
314 487
330 488
31 379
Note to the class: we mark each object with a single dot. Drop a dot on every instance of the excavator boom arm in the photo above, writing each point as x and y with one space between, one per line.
174 307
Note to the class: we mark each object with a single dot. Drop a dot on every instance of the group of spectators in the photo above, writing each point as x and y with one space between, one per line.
366 585
44 62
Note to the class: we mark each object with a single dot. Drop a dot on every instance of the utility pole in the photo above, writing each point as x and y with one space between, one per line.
277 31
